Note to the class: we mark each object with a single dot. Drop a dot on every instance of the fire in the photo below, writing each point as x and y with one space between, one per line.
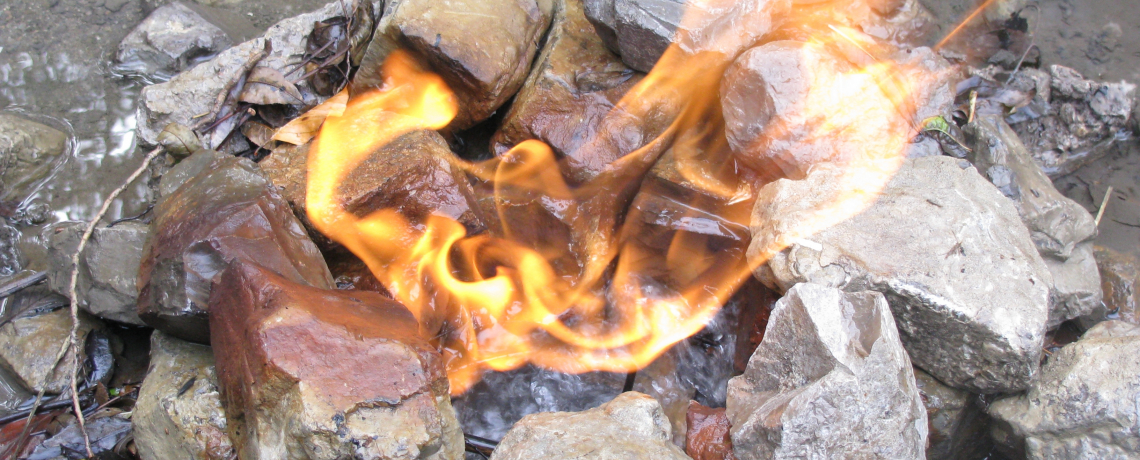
594 297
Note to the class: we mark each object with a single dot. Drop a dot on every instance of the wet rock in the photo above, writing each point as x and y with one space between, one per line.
1082 406
228 211
105 433
285 352
708 436
483 72
9 249
28 345
1056 223
186 169
773 110
28 153
1076 285
179 414
107 285
638 30
968 289
192 93
1120 288
957 424
175 37
1083 121
574 83
830 380
632 425
411 173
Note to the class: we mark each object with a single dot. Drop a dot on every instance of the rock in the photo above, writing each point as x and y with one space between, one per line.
968 289
485 72
632 425
1082 406
187 169
773 110
175 37
638 30
1083 121
1076 285
830 380
286 354
1056 223
195 91
28 345
228 211
574 83
107 285
708 436
957 424
9 250
411 173
12 393
1120 288
179 414
29 151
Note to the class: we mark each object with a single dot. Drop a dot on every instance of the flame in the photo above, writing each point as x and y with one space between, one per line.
597 295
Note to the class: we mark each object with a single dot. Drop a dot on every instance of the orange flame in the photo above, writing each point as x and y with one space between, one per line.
596 295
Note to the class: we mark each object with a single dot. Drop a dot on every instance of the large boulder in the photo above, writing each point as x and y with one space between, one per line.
107 285
176 36
227 211
638 30
194 92
830 380
573 84
968 289
324 374
178 415
483 49
789 105
29 151
29 344
1056 223
632 425
1084 405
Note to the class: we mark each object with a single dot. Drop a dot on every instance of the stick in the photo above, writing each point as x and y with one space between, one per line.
1103 204
72 338
20 284
249 64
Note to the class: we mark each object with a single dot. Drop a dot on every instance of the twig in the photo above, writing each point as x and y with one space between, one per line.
479 445
630 378
222 96
1032 39
22 283
1103 204
146 211
72 340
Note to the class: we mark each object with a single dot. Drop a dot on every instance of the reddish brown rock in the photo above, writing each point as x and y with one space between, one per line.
482 48
575 81
1120 283
326 374
411 173
228 211
708 433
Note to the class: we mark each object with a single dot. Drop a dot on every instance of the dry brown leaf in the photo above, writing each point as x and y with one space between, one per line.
266 86
258 133
305 127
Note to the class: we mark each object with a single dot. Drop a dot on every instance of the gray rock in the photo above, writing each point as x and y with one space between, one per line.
1056 223
178 415
186 169
173 38
12 392
193 92
957 423
645 29
1084 403
107 285
829 380
968 289
1076 285
1120 287
772 108
632 425
29 151
28 346
483 49
10 263
228 211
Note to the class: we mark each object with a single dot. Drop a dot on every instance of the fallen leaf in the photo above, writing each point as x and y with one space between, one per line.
258 133
305 127
266 86
179 140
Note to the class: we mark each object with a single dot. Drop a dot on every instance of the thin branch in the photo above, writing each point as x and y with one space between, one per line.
20 284
1103 204
72 340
